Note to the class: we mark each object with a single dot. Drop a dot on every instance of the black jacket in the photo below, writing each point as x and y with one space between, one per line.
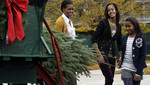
138 52
102 36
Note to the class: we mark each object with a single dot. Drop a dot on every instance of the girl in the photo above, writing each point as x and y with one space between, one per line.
133 53
108 31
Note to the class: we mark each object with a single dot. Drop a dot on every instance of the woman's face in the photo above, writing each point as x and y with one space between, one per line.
111 11
129 27
68 11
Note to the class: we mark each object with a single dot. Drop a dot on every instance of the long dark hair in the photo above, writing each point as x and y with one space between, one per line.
117 11
136 24
65 3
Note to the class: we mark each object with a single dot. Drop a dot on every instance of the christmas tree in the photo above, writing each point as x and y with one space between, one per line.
3 19
76 56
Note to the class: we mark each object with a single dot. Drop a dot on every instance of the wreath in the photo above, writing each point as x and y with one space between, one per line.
3 20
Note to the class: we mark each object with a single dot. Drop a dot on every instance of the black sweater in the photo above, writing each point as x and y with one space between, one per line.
102 36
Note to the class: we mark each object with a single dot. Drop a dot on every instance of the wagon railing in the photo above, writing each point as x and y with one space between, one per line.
55 48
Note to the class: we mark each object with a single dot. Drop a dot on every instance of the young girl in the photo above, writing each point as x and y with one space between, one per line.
133 53
108 31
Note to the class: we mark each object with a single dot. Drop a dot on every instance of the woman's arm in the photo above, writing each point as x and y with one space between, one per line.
59 25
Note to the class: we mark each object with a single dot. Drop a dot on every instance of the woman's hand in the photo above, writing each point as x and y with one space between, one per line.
137 77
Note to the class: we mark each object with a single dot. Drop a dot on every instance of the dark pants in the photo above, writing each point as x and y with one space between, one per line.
136 82
108 71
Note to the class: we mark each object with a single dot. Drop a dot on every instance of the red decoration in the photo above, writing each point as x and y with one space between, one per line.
15 28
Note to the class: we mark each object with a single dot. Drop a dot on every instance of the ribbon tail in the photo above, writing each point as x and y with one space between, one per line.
18 23
11 30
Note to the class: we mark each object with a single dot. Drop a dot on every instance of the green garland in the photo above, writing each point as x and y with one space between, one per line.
76 56
3 20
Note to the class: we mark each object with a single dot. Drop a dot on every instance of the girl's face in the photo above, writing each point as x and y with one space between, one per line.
111 11
68 11
129 28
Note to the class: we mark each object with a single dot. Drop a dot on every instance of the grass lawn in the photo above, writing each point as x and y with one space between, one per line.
94 67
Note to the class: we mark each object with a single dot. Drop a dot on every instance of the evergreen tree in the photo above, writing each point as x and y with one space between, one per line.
3 19
76 56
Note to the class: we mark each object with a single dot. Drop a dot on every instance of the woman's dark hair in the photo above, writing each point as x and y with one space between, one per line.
117 11
136 24
65 3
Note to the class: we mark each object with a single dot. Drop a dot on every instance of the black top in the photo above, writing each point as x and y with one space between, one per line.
102 36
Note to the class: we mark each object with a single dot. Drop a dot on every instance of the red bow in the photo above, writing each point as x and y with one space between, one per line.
15 28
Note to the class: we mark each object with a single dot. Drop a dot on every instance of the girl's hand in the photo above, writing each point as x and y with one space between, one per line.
119 61
100 56
101 59
137 78
118 64
121 78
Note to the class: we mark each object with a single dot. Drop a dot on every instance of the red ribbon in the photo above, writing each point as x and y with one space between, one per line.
15 28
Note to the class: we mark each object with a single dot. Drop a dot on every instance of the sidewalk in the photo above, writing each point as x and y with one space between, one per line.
98 79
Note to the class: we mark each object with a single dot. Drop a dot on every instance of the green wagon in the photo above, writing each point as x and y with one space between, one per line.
21 62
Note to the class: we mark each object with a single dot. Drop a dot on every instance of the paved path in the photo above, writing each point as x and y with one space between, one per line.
98 79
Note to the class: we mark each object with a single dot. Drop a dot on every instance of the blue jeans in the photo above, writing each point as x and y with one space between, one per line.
128 77
130 81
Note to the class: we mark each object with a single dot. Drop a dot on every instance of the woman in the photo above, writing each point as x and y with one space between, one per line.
64 23
108 31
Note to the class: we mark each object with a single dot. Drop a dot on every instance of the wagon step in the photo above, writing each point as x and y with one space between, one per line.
44 75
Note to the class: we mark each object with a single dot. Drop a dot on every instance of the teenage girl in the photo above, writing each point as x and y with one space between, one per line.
107 32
